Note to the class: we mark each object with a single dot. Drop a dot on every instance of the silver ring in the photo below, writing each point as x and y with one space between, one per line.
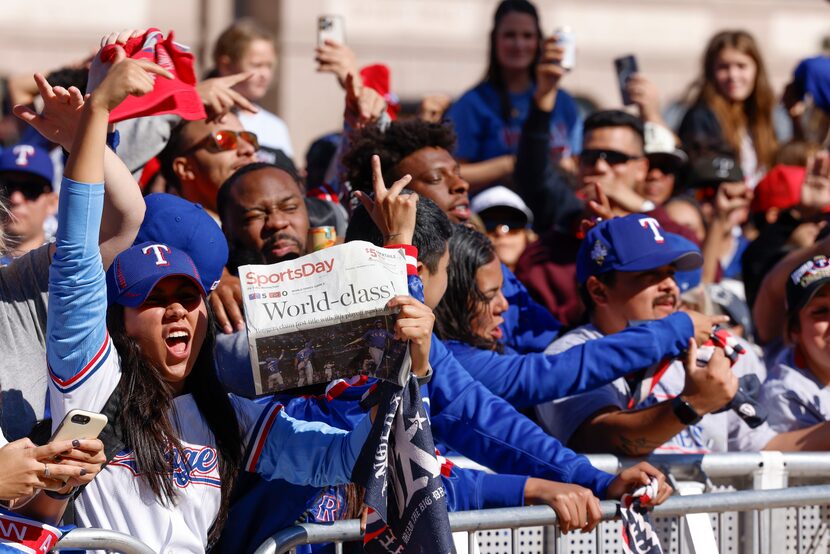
45 471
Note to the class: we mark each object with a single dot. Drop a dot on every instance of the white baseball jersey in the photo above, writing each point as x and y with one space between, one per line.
85 369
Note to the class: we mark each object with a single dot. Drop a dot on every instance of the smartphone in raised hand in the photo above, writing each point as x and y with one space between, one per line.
626 66
331 27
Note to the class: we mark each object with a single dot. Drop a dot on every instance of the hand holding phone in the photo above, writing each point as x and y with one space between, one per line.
626 66
80 424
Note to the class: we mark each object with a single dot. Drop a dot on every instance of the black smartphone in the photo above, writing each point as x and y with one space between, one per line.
626 66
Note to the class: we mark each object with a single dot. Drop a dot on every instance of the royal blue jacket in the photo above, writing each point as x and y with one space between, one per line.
528 326
529 379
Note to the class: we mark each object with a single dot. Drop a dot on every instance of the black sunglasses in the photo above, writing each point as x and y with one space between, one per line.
31 189
612 157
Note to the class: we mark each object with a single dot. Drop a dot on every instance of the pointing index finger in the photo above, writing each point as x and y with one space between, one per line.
150 67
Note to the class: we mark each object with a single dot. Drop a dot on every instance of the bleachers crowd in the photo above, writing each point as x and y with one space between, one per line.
580 282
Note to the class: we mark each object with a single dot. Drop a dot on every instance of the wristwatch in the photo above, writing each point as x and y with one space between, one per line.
684 411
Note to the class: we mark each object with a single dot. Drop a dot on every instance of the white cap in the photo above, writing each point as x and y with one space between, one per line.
500 196
659 140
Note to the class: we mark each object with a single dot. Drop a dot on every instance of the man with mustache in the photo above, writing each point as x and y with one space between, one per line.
625 270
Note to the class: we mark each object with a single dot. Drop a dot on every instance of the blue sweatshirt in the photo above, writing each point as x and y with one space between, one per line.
528 326
529 379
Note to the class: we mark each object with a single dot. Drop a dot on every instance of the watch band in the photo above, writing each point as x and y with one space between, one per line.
684 411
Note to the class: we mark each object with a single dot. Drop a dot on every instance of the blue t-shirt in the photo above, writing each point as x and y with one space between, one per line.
483 133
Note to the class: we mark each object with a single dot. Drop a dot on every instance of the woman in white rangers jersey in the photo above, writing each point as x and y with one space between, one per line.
186 439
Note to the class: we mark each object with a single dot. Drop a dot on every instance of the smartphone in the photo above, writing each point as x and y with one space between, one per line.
331 27
566 39
626 66
80 424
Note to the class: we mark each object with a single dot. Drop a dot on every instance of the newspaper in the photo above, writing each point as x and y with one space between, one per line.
323 316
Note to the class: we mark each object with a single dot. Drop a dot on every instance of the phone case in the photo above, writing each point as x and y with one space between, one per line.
331 27
626 66
80 424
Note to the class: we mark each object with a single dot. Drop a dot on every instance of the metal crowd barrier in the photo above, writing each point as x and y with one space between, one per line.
769 518
479 520
102 539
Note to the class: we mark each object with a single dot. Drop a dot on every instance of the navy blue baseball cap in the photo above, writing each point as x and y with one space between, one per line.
176 222
27 158
136 271
635 242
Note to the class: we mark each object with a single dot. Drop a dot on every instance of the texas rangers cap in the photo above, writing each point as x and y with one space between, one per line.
806 281
174 221
27 158
136 271
633 243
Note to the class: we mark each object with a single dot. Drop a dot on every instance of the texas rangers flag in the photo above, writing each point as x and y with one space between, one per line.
402 477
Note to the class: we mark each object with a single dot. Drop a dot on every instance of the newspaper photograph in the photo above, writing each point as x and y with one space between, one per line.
323 316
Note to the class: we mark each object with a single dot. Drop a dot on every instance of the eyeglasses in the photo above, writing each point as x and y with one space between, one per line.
611 157
224 140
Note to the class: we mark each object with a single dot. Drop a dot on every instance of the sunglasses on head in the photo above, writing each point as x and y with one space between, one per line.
612 157
222 141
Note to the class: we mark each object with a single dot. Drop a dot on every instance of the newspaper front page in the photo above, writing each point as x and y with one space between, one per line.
323 316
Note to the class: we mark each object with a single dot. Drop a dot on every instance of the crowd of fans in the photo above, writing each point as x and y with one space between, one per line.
586 283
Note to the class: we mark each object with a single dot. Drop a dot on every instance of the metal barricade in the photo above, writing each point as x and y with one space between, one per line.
514 518
102 539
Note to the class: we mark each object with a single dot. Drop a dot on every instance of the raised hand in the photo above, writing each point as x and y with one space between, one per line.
336 58
645 95
61 112
393 212
219 98
99 68
127 77
815 191
364 105
549 72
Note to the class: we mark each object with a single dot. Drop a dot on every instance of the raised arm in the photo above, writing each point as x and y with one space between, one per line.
76 327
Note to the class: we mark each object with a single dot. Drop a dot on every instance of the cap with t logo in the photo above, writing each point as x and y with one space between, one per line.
633 243
136 271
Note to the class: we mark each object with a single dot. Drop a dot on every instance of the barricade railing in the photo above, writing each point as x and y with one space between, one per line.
512 518
102 539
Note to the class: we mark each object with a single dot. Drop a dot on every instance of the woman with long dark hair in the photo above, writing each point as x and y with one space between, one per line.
734 105
489 117
145 332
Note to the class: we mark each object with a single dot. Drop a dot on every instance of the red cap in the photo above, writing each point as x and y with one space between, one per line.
780 188
177 95
377 77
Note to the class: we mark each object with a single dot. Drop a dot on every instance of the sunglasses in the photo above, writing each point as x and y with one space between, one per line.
502 227
225 140
31 191
611 157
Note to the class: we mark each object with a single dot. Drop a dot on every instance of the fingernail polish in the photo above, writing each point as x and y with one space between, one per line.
76 443
83 472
